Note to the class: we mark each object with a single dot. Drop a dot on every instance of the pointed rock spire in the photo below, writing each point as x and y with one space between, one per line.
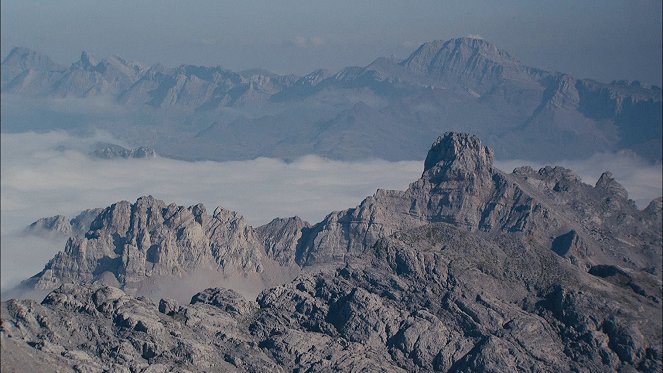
88 60
608 183
456 155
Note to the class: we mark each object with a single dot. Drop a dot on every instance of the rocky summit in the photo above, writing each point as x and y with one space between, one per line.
469 269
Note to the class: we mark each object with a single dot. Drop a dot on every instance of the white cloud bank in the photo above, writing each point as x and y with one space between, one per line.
49 174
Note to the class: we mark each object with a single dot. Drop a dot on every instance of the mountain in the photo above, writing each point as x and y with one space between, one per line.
113 151
136 246
460 186
551 207
25 71
464 84
470 63
469 269
59 225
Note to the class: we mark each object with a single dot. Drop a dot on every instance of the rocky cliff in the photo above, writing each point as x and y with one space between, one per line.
460 186
128 245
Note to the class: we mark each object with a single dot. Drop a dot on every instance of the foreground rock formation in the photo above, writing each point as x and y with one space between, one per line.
470 269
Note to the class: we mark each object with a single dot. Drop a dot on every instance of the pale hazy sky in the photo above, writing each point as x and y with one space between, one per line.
601 39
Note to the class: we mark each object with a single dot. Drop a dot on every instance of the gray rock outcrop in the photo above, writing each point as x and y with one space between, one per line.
129 245
461 187
281 238
113 151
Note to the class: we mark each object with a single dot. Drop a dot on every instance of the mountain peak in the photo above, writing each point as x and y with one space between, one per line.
469 62
611 187
26 58
20 53
459 48
88 60
458 151
475 42
486 48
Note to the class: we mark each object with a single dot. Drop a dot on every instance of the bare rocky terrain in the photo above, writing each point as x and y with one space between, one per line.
469 269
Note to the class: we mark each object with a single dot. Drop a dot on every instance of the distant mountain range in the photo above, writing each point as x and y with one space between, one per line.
388 109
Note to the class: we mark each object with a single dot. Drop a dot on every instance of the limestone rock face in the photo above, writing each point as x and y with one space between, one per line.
281 237
103 329
651 215
228 300
133 242
433 299
608 226
459 186
457 155
610 187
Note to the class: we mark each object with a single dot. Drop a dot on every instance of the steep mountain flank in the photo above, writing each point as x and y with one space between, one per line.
135 245
460 186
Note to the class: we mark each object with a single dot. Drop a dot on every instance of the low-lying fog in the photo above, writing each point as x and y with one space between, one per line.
51 173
